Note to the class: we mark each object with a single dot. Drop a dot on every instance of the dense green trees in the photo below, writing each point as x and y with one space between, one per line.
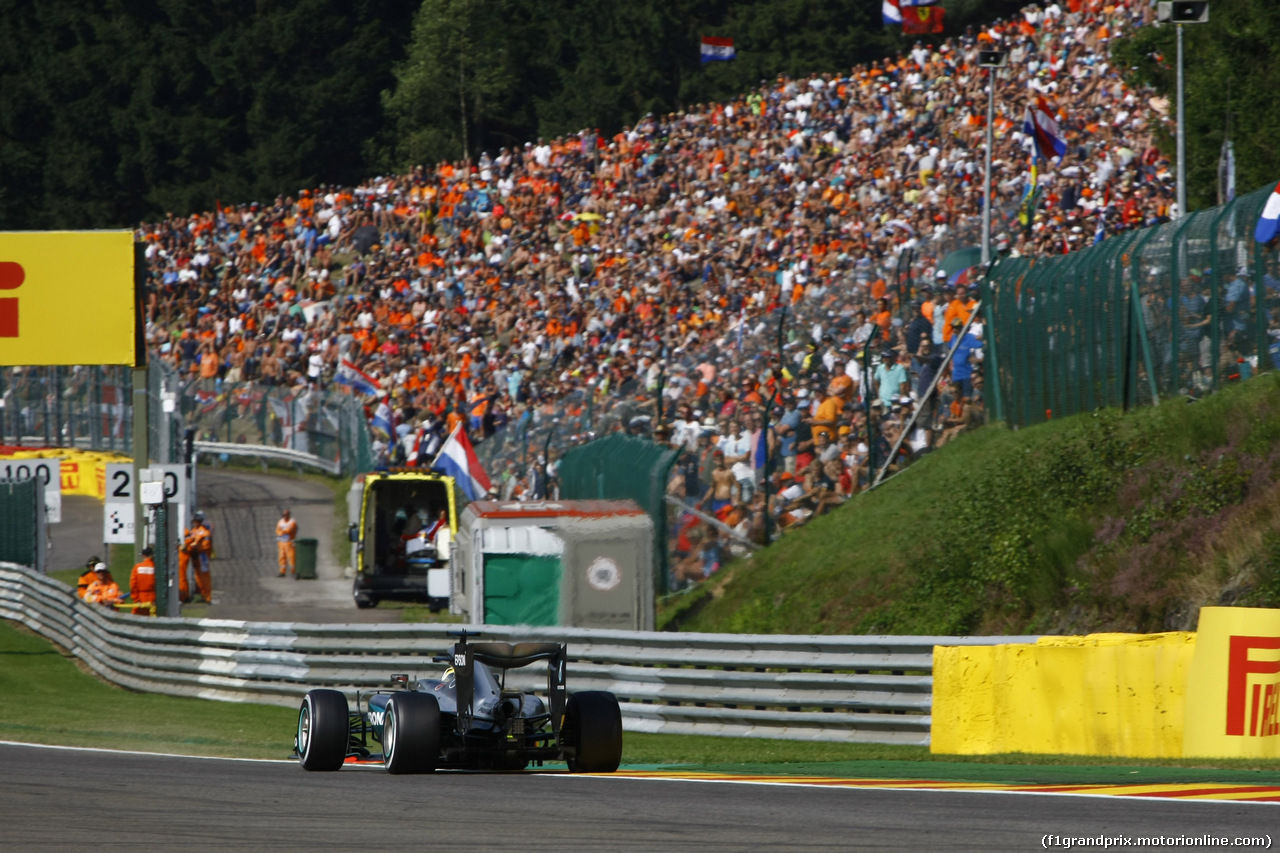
115 110
1230 68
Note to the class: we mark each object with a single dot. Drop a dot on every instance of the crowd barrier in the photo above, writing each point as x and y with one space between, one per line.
851 689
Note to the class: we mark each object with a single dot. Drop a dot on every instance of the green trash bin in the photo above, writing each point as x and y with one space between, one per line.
305 558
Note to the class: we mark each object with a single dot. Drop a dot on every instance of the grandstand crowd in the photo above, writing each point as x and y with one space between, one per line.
610 272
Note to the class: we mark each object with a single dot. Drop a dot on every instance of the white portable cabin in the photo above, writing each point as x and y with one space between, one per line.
586 564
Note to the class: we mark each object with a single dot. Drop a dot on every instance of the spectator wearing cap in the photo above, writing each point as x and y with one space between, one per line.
891 377
88 576
104 589
919 329
968 350
1235 304
827 418
787 431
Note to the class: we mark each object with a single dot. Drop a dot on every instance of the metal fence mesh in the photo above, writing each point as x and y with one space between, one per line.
1177 309
92 408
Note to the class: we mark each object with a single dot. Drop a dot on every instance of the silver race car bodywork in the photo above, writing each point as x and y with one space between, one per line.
467 718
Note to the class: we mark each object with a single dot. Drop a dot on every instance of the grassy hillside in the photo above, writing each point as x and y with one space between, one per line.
1099 522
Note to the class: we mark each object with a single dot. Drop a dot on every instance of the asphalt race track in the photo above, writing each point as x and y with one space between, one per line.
54 799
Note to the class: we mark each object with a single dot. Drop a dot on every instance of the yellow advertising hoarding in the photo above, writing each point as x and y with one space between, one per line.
1104 694
1233 690
66 297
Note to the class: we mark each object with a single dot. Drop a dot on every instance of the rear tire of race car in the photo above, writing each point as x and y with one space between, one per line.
411 733
324 730
593 728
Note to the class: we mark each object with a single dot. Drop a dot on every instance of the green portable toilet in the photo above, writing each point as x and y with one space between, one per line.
587 564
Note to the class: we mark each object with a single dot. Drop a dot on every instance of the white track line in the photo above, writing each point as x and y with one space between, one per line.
135 752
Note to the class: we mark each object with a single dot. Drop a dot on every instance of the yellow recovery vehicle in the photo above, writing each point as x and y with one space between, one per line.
402 542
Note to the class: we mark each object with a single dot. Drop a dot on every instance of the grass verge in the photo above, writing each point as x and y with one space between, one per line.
1098 522
46 697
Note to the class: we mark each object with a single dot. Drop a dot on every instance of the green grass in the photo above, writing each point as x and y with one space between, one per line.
1098 522
46 697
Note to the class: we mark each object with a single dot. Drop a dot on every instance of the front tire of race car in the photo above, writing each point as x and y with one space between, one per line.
593 731
324 730
411 733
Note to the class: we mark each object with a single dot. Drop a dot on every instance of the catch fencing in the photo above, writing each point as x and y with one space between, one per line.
91 408
1178 309
327 429
850 689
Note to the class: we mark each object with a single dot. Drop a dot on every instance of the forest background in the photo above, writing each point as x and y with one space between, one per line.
116 111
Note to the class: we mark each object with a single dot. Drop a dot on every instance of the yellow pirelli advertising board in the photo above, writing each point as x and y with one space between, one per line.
66 297
1233 689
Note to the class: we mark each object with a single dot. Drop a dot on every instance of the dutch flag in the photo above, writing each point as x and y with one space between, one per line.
355 379
1269 222
892 14
458 460
1042 127
716 49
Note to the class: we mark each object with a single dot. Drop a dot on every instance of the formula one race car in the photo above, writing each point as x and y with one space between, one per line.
467 718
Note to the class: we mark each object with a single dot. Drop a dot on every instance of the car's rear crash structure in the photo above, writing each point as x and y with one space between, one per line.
468 718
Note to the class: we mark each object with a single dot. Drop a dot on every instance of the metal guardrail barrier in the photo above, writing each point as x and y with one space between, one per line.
264 451
853 689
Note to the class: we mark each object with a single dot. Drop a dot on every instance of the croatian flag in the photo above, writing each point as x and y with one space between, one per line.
1269 223
716 49
1042 127
458 460
890 11
355 379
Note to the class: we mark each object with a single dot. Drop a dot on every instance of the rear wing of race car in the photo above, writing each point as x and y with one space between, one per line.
507 656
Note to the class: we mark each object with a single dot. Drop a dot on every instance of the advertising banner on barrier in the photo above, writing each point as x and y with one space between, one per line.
66 297
1102 694
1235 679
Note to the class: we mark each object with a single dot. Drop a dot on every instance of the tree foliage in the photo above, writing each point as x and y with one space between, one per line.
116 110
1229 73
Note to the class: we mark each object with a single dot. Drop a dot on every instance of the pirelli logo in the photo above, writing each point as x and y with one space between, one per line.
1253 686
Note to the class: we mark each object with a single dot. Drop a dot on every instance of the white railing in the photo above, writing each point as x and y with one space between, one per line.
857 689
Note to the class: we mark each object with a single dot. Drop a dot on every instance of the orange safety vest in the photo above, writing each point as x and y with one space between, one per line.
197 540
142 582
